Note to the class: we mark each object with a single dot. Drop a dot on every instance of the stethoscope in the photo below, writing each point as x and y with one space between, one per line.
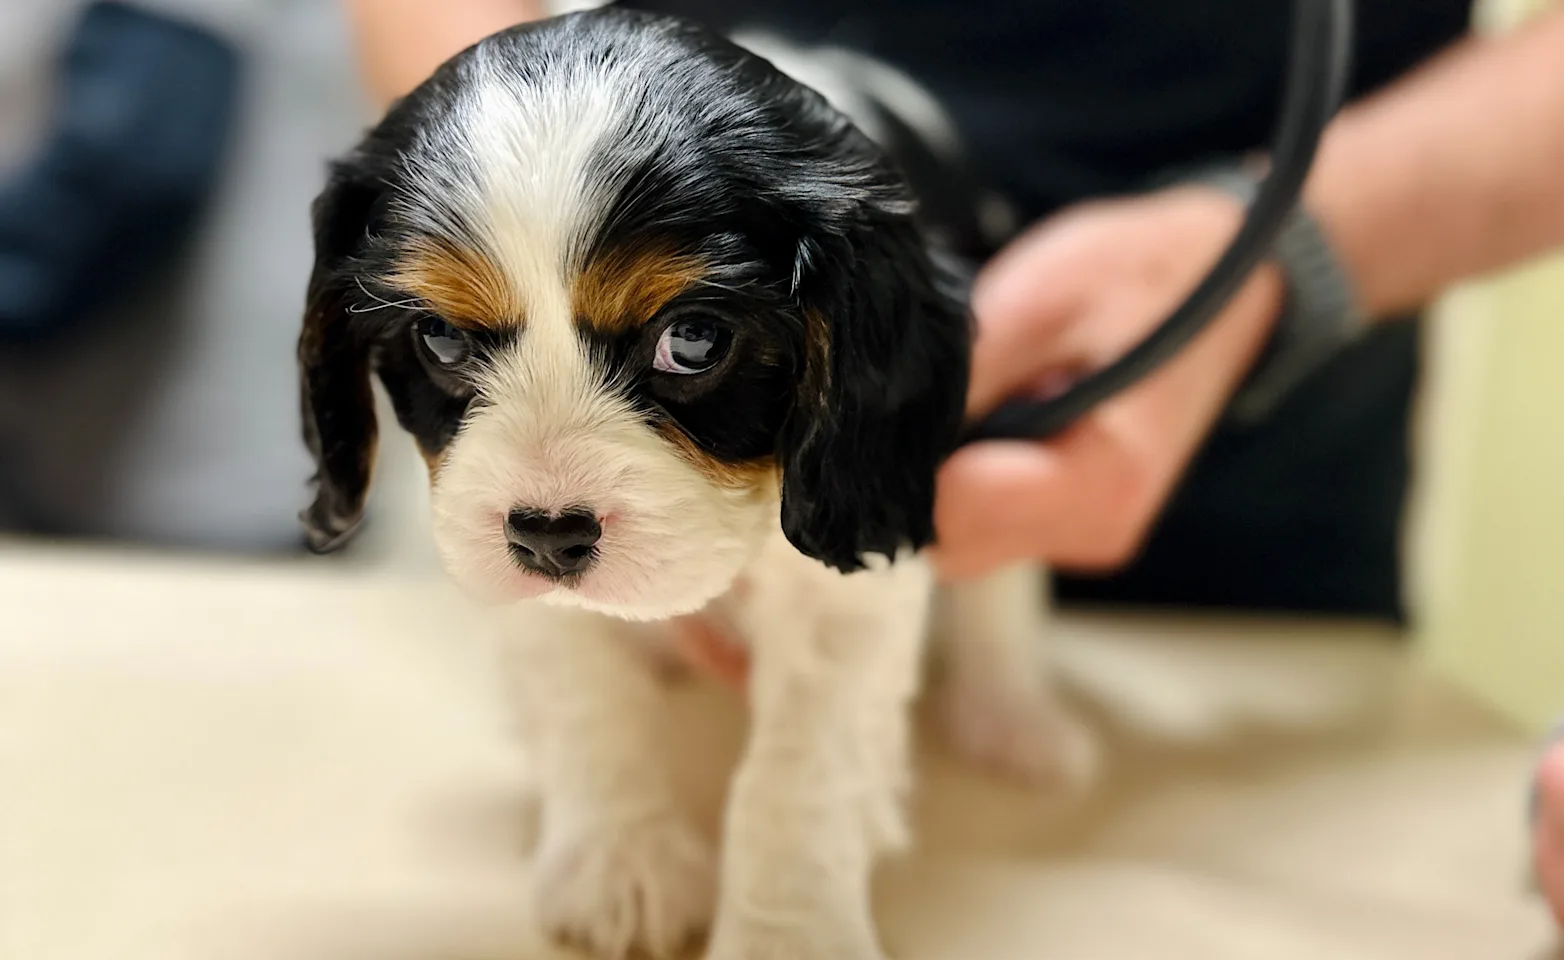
1316 81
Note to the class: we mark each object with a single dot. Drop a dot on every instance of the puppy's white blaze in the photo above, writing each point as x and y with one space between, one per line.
532 144
511 166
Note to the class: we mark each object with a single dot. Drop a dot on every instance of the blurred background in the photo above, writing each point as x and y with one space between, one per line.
161 409
1486 533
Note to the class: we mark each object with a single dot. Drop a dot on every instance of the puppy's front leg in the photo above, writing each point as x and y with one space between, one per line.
996 694
818 795
620 868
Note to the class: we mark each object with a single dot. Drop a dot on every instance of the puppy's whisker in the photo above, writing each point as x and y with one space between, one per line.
381 303
702 281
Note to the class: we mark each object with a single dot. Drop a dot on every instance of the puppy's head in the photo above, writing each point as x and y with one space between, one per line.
628 286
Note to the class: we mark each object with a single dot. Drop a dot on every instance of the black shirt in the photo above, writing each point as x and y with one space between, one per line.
1065 99
1061 100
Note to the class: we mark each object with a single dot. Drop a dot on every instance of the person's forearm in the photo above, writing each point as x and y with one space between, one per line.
401 42
1454 172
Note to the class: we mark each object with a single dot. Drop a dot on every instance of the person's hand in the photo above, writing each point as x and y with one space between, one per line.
1548 834
1067 297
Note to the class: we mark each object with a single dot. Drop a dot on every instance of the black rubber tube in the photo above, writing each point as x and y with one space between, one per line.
1319 61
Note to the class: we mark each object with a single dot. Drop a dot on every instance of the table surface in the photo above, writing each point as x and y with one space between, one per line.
210 759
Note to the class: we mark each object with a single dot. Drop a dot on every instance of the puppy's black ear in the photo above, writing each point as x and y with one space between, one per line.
881 399
334 367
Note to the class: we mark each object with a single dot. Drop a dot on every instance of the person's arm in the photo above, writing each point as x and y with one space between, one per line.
401 42
1456 171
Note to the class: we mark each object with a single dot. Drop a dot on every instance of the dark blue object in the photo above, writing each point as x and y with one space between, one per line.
131 157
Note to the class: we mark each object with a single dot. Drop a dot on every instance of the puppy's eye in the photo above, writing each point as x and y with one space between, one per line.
692 344
444 343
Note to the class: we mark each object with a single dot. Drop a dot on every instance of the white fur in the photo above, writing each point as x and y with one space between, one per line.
620 866
817 798
521 194
549 435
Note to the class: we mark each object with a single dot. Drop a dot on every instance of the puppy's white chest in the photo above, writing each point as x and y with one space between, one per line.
785 601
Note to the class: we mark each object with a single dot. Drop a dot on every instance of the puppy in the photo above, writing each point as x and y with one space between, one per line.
664 326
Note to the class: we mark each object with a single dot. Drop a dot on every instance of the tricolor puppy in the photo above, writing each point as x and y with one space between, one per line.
664 327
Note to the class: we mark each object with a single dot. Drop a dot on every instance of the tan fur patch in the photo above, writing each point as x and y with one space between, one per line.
461 285
755 475
434 461
623 289
817 363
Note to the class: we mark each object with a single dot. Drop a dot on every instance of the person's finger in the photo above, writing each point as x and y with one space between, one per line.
1077 502
1023 304
973 517
1548 831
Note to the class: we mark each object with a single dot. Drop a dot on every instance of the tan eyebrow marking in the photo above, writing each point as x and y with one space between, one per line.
460 284
623 289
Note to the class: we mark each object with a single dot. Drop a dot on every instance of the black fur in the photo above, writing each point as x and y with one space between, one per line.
849 365
348 331
877 415
337 404
735 412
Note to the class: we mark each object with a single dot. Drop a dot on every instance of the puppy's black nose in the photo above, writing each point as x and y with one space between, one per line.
553 546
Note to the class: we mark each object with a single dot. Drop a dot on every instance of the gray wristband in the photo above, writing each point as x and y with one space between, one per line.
1319 316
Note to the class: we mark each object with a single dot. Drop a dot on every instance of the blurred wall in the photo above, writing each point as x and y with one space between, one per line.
177 421
1489 527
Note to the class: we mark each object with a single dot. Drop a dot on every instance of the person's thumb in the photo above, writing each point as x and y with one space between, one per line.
1084 500
997 505
1024 311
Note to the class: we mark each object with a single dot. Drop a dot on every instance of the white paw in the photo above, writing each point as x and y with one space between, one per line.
646 888
1019 731
803 939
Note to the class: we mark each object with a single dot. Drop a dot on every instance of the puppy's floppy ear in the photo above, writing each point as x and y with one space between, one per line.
334 367
881 399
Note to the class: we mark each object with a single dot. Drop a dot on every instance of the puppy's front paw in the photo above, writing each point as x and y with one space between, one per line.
1019 732
804 938
616 890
